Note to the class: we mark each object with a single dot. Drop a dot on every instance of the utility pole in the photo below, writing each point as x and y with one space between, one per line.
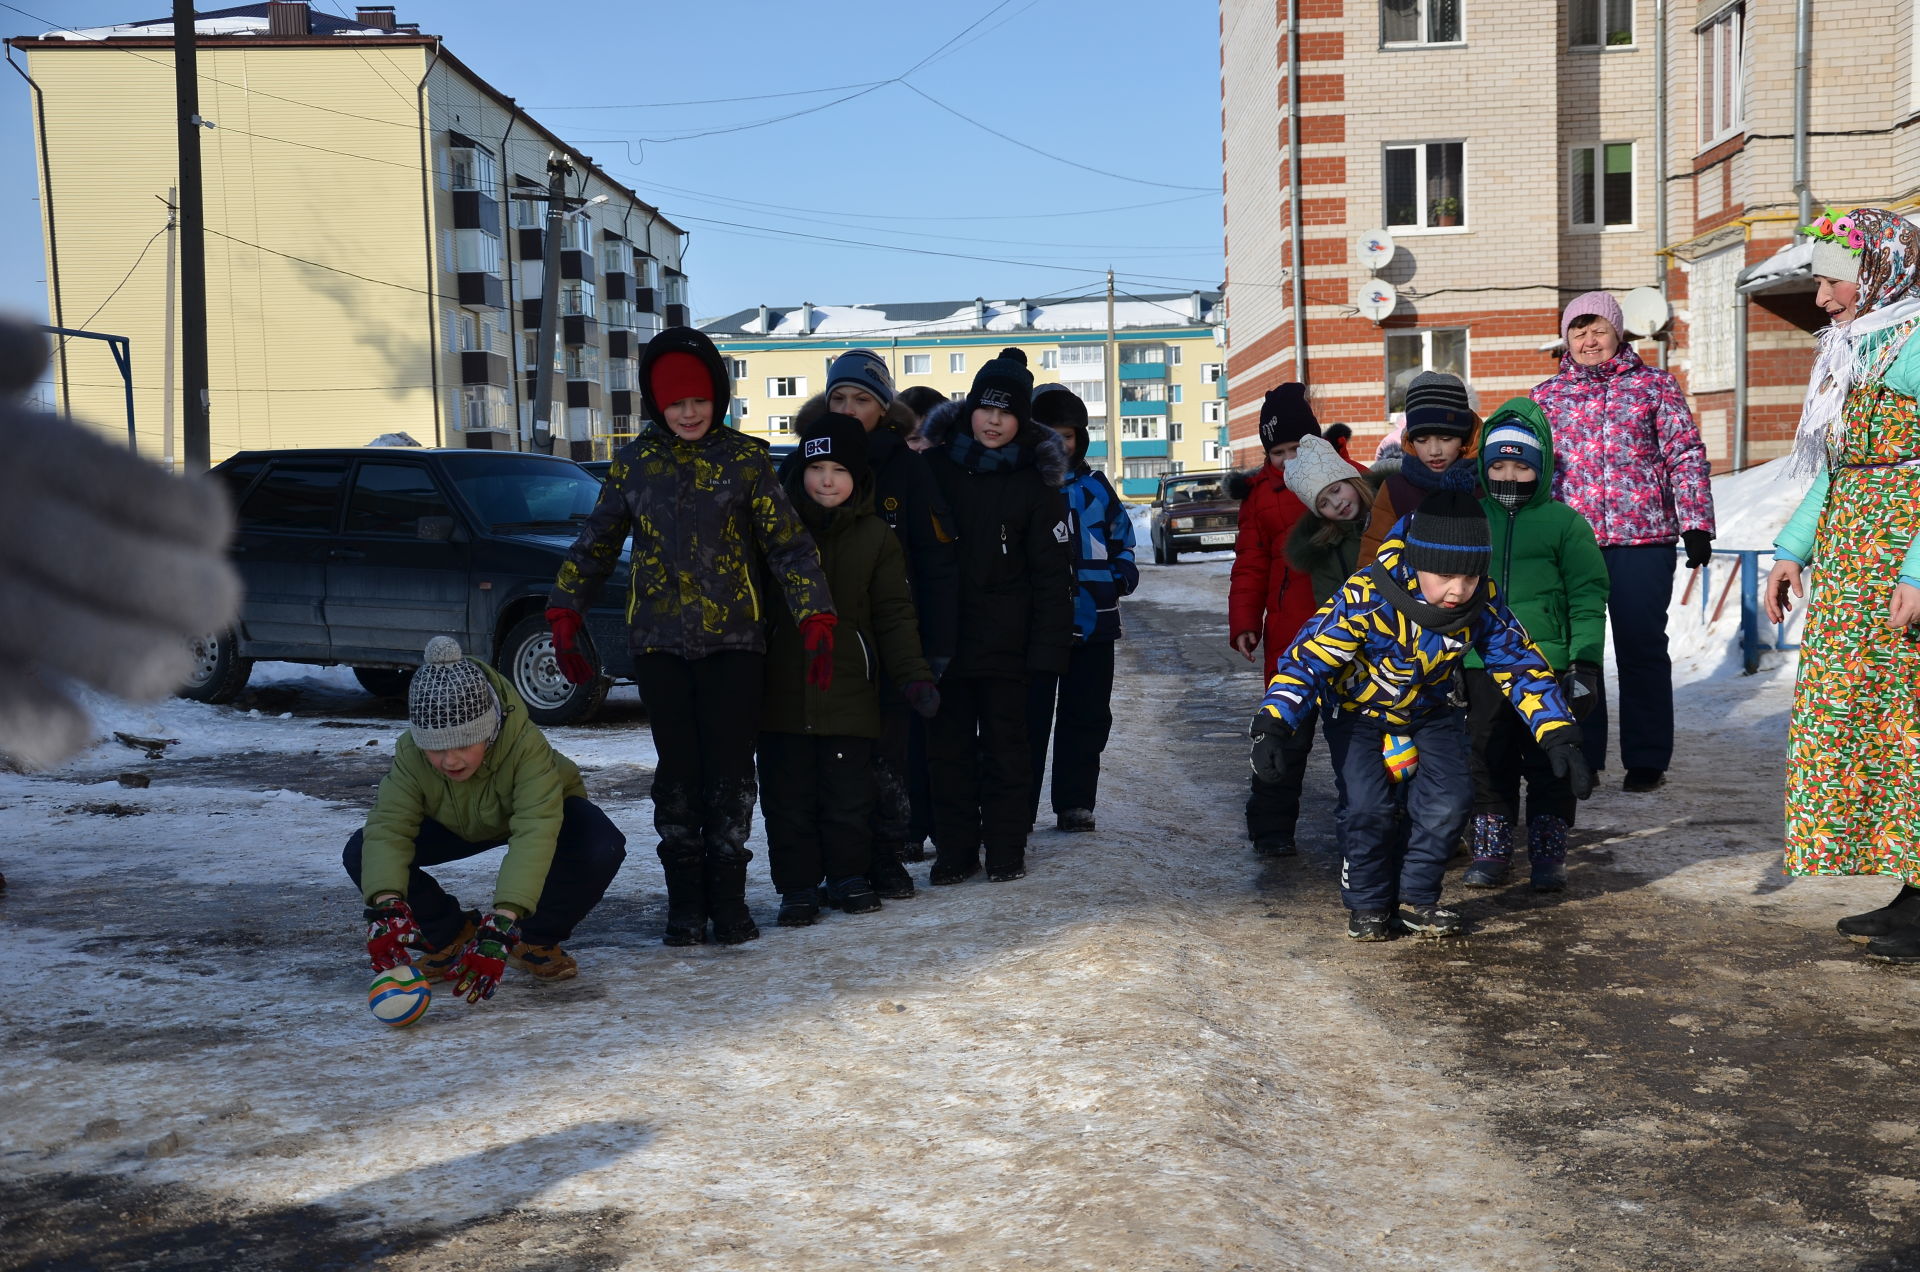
193 244
1114 456
558 170
166 370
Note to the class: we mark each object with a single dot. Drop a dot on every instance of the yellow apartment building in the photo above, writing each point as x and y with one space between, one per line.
1170 363
367 270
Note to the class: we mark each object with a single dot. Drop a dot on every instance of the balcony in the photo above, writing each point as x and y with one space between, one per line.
1143 371
479 367
578 265
676 315
483 291
583 393
1155 449
1220 387
1144 408
623 402
579 330
622 343
473 210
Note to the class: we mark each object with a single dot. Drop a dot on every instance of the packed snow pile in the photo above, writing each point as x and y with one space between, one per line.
1703 622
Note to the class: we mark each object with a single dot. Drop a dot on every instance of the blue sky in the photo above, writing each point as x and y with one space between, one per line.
1130 87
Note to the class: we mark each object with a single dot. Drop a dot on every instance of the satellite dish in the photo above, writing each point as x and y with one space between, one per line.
1377 299
1646 311
1375 248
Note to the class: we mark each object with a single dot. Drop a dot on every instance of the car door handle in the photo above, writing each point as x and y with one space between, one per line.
346 554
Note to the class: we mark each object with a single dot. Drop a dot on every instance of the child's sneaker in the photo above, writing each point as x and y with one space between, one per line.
799 908
1547 852
1369 925
434 963
852 895
1491 837
543 962
1431 920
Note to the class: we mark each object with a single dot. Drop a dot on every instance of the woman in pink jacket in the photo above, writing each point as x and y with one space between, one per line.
1628 457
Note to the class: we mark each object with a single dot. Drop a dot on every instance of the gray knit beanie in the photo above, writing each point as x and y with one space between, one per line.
450 703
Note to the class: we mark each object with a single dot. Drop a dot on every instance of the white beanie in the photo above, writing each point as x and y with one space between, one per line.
1314 467
450 703
1832 260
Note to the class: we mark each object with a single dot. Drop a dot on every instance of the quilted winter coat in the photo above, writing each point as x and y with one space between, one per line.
1268 595
1629 456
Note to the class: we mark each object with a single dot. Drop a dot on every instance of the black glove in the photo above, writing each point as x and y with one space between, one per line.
1569 763
1581 685
1699 547
1269 758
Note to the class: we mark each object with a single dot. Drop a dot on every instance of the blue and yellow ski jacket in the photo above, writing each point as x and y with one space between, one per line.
1382 652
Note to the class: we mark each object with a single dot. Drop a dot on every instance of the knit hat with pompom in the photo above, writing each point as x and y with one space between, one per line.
450 703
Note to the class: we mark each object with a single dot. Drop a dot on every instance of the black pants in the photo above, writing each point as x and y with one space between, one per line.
1273 808
1504 752
817 798
1640 587
977 750
1396 836
892 820
1082 702
586 856
705 716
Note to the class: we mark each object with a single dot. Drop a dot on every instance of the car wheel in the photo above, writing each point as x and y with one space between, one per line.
219 672
1172 554
384 682
1159 551
527 661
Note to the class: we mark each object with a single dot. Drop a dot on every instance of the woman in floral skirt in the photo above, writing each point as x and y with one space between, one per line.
1853 743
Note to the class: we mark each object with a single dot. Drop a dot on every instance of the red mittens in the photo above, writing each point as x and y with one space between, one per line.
816 637
566 625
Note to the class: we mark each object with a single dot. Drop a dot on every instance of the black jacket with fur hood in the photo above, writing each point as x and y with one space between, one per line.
1016 588
906 497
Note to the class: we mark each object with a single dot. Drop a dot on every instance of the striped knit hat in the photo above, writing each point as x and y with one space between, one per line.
1438 403
1512 441
450 703
1448 534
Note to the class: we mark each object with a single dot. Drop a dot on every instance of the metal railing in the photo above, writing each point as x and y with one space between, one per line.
1748 575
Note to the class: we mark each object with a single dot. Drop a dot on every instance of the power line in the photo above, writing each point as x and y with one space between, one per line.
883 216
720 101
122 283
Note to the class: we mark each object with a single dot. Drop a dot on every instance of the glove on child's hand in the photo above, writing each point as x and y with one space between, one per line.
924 697
483 963
392 935
1269 758
1581 685
1569 763
816 637
1699 547
566 625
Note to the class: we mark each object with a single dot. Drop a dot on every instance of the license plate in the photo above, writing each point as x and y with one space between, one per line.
1213 540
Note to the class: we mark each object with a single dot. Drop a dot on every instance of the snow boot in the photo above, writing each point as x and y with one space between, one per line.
1006 862
1901 913
1431 920
726 879
889 878
1901 947
1492 838
433 964
1074 819
952 866
799 908
686 902
547 963
1641 780
1369 925
1547 852
1274 846
852 895
916 850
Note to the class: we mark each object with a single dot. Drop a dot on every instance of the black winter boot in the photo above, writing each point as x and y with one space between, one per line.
1006 862
1901 947
950 866
799 908
686 902
727 900
852 895
1902 912
888 877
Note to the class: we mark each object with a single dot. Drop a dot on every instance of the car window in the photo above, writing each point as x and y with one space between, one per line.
296 494
1193 492
507 490
236 475
391 499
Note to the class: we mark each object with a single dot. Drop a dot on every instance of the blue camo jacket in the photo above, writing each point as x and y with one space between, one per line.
1103 555
1376 661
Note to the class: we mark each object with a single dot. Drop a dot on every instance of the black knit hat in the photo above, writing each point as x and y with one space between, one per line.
1005 383
839 438
1057 406
1448 534
1438 403
1286 417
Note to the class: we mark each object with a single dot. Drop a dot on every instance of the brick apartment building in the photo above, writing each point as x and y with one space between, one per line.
1514 155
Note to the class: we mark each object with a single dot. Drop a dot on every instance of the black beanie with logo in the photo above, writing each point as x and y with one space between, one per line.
1286 417
1004 383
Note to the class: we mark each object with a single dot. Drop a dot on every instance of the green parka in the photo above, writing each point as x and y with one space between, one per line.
516 796
1546 562
878 634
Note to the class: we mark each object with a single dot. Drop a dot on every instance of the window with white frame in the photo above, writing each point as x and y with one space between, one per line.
1049 359
528 214
1411 352
483 408
1602 185
739 410
1210 453
1720 67
1176 356
957 363
1150 391
583 362
1092 392
1133 355
623 375
1143 428
1212 372
779 423
470 168
475 252
1145 469
917 364
1176 431
1710 301
786 386
646 271
616 257
1083 355
618 313
577 298
1213 412
1404 22
737 368
576 234
1594 24
1426 185
956 397
1176 392
676 288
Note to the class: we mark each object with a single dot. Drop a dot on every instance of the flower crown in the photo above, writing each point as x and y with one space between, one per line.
1832 227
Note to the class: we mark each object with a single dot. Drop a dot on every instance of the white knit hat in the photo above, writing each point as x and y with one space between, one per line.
1833 260
1314 467
450 703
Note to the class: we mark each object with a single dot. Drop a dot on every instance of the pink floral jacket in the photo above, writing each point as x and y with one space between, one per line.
1627 454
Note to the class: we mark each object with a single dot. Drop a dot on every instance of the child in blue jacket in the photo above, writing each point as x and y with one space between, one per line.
1388 651
1103 573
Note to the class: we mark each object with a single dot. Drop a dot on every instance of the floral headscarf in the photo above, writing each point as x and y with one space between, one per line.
1889 257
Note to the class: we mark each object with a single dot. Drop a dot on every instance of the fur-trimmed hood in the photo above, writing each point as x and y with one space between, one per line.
1048 453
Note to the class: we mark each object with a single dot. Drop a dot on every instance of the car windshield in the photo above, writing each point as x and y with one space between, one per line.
524 491
1193 491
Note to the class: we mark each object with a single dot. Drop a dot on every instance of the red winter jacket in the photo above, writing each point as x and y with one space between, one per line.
1267 595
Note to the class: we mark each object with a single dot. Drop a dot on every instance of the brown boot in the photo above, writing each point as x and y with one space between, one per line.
433 964
543 962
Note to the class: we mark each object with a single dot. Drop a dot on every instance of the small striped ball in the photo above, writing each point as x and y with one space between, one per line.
1401 756
399 996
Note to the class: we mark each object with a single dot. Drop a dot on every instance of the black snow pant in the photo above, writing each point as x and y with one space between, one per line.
1082 701
817 798
1273 808
892 820
705 716
1640 587
586 856
1504 752
977 751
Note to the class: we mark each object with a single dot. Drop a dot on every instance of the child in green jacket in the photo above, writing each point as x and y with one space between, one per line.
472 772
817 786
1547 564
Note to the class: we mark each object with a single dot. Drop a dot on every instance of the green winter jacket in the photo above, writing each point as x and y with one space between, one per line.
515 797
878 634
1546 562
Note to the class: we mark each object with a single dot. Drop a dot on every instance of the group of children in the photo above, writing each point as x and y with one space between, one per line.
1454 640
875 641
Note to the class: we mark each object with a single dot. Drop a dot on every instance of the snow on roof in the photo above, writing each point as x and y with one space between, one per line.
246 19
1792 263
932 318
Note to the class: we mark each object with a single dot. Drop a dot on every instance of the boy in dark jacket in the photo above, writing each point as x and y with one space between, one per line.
1001 474
1436 454
1103 573
1547 561
817 782
907 499
713 536
1386 652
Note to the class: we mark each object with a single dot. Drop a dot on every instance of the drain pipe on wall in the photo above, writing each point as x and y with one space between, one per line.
1294 216
1661 264
1802 76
